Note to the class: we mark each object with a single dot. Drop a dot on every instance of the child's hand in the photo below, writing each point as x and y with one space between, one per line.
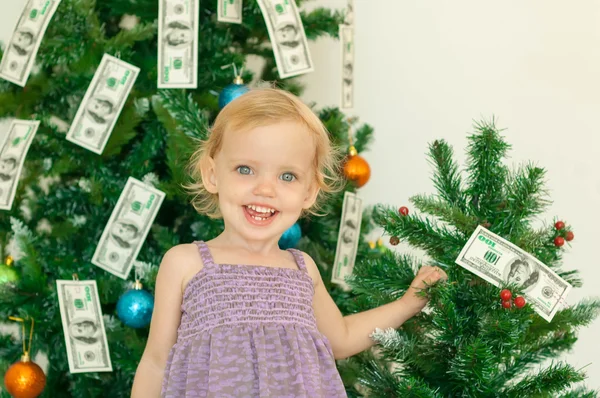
426 276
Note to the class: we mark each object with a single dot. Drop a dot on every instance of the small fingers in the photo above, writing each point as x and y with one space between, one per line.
439 274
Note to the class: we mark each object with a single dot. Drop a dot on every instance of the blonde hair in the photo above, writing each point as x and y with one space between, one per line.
256 108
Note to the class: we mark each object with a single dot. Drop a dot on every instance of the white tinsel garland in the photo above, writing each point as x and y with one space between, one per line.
388 338
20 235
150 179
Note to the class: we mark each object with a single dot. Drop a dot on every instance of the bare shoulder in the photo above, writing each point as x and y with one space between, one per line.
183 254
312 269
181 262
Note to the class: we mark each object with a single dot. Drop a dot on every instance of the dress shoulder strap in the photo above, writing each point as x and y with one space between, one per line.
207 258
299 257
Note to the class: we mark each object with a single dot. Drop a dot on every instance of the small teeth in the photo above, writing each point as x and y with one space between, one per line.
261 209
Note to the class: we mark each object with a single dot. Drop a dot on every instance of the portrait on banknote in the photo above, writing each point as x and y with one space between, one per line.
288 35
84 330
178 34
23 41
100 109
8 168
124 233
347 74
349 231
522 273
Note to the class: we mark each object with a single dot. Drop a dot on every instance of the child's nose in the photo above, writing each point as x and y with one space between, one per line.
265 187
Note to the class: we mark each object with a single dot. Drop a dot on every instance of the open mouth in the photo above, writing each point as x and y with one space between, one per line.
259 214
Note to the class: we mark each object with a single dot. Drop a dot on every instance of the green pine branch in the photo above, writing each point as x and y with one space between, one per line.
446 176
486 173
445 211
553 379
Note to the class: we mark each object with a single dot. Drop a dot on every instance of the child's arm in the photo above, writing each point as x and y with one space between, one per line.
165 321
350 335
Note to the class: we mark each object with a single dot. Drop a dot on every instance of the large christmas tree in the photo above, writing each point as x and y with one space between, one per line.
67 193
475 340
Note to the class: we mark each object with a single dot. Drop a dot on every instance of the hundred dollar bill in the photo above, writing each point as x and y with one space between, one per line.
127 227
500 262
12 156
287 37
178 43
83 326
349 17
348 236
22 49
102 104
230 11
347 38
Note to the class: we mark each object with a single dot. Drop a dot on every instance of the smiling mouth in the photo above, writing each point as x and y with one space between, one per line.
260 213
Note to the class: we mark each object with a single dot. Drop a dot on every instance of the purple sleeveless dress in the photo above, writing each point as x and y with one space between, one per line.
250 331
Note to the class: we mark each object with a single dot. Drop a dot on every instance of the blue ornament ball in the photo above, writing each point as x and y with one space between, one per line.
291 237
231 92
134 308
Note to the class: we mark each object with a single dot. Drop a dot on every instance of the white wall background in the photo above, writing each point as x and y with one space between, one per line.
426 70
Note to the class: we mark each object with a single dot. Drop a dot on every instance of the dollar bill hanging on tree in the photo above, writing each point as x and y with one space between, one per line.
229 11
83 326
348 236
500 262
102 104
288 39
346 34
347 43
127 227
24 44
12 156
178 43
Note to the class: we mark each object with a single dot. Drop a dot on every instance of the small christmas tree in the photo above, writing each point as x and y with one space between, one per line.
467 344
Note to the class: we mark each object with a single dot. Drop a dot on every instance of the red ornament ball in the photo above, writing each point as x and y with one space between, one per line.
394 240
569 236
403 210
506 304
505 295
519 302
559 241
24 379
559 225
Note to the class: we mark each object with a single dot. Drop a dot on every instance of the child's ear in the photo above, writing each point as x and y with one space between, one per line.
209 174
311 196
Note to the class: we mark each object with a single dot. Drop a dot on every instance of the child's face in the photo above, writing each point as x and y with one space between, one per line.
269 167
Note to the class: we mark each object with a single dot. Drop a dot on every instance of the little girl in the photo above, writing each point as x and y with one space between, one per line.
236 316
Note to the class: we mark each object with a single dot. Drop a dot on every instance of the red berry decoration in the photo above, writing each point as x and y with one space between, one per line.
403 210
394 240
506 304
505 295
559 241
519 302
569 236
559 225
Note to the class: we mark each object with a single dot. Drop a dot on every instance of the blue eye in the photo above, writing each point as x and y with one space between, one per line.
245 170
289 177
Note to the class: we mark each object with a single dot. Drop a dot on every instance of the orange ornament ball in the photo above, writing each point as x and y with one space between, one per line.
357 169
24 379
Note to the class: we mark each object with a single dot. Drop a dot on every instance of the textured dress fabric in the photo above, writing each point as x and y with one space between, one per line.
250 331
